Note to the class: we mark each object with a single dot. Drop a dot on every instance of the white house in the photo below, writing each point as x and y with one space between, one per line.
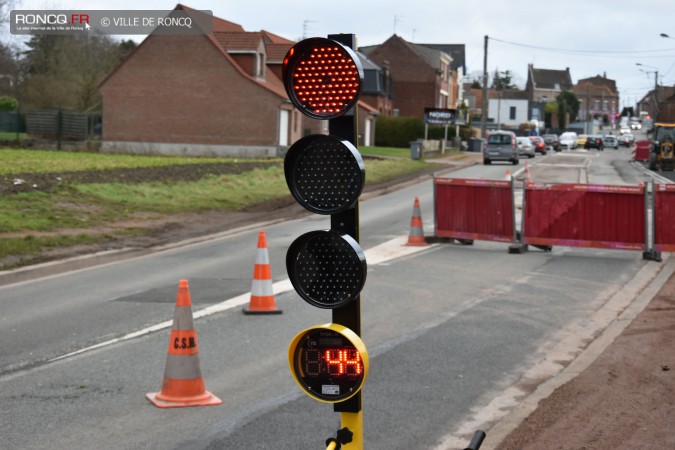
508 108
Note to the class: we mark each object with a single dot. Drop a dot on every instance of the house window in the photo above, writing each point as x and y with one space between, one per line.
512 113
443 99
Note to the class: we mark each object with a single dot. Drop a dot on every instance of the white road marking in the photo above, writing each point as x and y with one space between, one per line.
387 251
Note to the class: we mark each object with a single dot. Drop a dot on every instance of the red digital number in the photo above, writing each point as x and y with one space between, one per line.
342 361
312 362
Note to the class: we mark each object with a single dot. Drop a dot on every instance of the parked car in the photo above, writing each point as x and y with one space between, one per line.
581 140
627 140
610 141
525 147
568 140
551 140
594 142
501 146
624 129
539 145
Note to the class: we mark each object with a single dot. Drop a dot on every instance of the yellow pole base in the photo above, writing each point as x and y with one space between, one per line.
353 421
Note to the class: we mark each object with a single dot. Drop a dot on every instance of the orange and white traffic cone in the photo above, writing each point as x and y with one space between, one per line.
508 175
528 175
416 237
262 294
183 384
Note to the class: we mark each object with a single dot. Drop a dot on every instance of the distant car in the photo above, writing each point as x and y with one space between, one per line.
594 142
624 129
525 147
626 140
539 145
568 140
501 146
635 124
581 140
610 141
551 140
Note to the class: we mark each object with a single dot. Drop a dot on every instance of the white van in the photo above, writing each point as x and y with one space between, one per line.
568 140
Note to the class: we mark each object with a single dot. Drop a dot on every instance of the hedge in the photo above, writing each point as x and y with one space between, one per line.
399 131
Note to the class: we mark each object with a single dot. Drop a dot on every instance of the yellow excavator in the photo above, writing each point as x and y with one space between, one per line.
663 147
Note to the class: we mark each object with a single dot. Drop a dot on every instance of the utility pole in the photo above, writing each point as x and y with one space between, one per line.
656 94
483 114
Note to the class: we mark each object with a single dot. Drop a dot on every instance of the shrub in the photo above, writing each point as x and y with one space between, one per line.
8 104
399 131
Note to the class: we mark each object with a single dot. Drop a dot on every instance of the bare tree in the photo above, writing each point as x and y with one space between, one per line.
64 71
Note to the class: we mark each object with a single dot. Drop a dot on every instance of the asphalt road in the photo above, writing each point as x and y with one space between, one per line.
457 335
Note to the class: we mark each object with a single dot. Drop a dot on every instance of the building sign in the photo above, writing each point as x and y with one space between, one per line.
437 116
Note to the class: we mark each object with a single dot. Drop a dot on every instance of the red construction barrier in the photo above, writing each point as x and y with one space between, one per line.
474 209
664 217
641 152
582 215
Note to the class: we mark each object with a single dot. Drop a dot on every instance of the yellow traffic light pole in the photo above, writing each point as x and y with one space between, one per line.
353 421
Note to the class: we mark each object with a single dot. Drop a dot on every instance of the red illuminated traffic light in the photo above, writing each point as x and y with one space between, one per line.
322 77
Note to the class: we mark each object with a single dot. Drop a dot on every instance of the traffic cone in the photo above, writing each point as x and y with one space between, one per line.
528 175
416 237
183 384
262 294
508 175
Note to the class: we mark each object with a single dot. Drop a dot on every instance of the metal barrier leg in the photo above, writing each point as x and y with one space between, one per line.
650 254
517 247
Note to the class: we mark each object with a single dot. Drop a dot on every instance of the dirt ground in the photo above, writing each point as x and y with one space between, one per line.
175 228
624 400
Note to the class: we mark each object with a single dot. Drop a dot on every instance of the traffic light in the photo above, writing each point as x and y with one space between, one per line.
326 175
330 362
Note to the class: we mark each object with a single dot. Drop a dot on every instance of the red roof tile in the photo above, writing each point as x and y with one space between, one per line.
239 40
277 52
275 39
218 23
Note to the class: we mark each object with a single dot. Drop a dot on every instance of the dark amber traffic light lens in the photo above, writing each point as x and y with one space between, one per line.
322 77
325 174
327 269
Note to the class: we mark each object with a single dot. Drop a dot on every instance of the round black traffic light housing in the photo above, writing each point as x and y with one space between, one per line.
323 78
329 362
327 269
325 174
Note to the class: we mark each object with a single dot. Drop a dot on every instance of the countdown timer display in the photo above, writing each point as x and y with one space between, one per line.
329 362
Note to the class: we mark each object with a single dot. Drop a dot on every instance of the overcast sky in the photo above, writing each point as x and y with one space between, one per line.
591 37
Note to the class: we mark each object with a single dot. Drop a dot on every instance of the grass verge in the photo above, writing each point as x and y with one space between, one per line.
31 221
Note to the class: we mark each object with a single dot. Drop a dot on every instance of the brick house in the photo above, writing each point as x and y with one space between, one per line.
658 103
214 94
377 87
598 98
424 77
546 84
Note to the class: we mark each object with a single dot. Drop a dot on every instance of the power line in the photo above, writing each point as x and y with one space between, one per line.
612 53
